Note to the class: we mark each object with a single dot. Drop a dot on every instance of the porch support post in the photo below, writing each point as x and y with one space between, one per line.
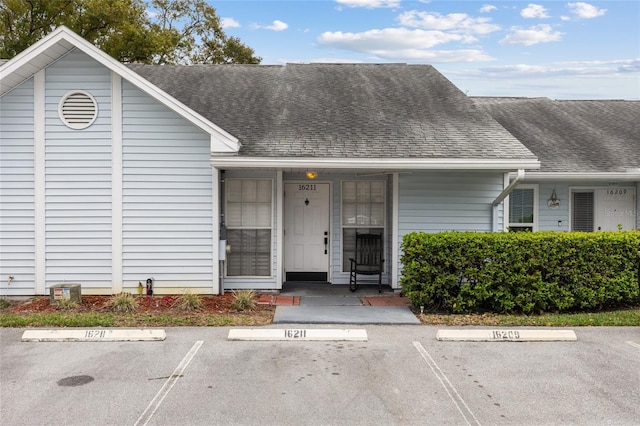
116 185
395 233
218 285
280 227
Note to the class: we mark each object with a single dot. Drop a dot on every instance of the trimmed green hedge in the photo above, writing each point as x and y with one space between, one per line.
528 272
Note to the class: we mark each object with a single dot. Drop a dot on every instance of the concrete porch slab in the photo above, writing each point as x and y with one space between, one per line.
330 301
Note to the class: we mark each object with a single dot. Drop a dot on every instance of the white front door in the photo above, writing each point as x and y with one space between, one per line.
615 208
306 229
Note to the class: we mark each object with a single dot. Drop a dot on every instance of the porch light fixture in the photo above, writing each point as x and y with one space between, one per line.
312 174
553 202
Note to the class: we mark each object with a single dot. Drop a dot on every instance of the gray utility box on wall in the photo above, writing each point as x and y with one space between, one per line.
65 292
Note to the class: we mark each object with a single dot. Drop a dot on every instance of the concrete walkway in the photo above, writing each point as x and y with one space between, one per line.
344 315
323 303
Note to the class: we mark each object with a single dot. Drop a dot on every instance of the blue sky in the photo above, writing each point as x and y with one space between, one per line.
556 49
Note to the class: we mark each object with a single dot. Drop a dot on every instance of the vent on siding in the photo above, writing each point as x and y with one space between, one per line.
582 215
78 110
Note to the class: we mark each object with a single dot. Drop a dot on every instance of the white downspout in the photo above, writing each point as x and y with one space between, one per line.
505 192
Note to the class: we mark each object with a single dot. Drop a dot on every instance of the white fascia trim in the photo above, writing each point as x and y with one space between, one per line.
117 206
221 140
39 183
566 176
396 164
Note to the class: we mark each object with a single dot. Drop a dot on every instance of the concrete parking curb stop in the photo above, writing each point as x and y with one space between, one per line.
94 335
506 335
358 335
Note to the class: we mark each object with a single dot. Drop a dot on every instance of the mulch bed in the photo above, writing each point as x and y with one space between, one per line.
219 304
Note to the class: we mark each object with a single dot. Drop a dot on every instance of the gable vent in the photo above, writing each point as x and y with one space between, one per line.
78 110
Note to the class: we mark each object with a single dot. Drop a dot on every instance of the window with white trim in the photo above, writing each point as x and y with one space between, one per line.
523 208
363 207
248 218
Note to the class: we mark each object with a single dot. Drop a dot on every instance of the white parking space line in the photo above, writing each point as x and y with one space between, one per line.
448 386
164 390
634 344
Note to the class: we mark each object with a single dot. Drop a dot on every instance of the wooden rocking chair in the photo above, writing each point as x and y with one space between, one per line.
368 259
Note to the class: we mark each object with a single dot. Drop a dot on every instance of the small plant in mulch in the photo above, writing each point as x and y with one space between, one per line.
4 303
188 302
123 302
244 300
66 304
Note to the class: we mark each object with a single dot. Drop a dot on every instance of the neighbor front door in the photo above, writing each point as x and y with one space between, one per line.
306 231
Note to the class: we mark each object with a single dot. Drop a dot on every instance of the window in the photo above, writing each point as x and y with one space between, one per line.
363 206
523 209
582 211
248 220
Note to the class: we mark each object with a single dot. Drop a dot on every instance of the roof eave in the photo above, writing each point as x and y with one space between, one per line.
396 164
569 176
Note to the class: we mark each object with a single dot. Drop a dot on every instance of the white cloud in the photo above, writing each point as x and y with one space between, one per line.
534 11
369 4
229 23
533 35
487 8
577 68
583 10
334 61
458 22
388 38
616 79
436 56
404 44
275 26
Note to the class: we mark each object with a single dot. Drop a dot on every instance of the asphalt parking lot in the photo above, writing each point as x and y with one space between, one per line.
401 376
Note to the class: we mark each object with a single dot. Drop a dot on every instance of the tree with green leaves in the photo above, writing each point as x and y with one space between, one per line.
143 31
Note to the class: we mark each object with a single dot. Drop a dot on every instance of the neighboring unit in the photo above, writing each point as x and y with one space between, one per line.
590 163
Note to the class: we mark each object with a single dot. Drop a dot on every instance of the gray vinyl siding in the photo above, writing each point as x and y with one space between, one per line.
167 197
17 222
553 219
440 201
78 178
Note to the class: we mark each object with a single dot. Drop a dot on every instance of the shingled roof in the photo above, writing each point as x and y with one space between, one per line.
338 110
599 136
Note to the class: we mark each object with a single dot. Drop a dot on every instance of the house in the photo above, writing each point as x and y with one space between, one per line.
590 163
231 176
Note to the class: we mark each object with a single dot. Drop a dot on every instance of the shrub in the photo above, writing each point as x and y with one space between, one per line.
188 301
123 302
244 300
521 272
